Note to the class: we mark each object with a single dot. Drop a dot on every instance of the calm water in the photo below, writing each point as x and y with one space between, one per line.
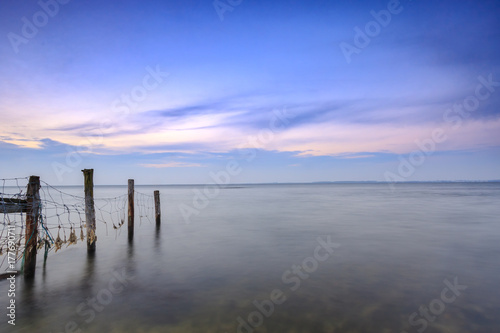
396 250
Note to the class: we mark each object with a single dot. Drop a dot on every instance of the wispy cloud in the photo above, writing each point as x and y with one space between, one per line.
22 142
320 130
172 165
357 156
342 139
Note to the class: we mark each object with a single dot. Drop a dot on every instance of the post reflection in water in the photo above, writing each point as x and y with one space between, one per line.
88 275
157 240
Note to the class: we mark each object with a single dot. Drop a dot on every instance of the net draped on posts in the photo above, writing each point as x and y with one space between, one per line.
62 218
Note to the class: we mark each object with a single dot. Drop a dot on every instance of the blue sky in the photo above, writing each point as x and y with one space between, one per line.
167 92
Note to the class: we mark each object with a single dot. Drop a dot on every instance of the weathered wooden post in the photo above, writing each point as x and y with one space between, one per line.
130 209
88 175
32 218
157 208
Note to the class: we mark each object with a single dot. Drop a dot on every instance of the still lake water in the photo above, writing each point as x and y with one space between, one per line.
396 250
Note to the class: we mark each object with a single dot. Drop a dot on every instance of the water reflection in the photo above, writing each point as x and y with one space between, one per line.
88 274
157 240
396 251
28 295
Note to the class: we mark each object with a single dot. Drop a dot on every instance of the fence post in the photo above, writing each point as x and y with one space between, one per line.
157 208
130 209
88 176
32 218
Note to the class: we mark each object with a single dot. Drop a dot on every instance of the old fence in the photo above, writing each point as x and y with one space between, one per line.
39 216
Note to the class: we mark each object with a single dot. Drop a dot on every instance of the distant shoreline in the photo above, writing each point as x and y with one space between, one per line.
308 183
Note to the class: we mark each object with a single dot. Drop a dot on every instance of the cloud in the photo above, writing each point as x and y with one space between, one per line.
357 156
172 165
342 139
347 128
21 142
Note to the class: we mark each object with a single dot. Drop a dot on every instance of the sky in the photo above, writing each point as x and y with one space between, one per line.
240 91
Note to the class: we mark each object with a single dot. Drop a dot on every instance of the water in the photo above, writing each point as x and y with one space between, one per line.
396 250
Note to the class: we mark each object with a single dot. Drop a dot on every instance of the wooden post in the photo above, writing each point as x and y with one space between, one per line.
32 217
88 175
157 208
130 209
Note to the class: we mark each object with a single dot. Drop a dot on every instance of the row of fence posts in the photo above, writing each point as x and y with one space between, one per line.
33 212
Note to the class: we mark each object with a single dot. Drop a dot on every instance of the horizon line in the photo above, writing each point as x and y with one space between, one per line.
305 183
